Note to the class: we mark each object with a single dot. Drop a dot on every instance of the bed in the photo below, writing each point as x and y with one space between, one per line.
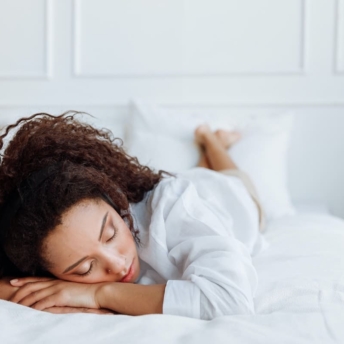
300 297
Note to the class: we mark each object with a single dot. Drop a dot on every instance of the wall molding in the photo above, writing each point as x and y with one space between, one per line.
76 58
125 105
76 5
304 35
48 51
338 21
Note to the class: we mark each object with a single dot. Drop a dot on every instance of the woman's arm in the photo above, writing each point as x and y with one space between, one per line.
216 275
6 289
124 298
131 299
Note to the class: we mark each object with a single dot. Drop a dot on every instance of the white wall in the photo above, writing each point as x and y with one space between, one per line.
96 54
316 157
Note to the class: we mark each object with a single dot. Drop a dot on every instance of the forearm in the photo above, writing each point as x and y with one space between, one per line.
132 299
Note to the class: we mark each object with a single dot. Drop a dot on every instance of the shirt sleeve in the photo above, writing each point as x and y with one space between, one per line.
218 277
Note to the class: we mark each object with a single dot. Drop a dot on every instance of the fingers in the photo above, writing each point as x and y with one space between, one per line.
40 295
46 293
29 288
17 282
61 310
66 310
36 297
47 302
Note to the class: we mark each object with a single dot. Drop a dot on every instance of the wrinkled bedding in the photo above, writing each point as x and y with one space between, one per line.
300 299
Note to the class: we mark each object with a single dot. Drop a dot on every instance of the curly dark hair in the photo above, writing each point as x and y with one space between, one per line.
86 163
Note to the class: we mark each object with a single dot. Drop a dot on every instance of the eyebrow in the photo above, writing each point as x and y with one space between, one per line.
100 236
103 226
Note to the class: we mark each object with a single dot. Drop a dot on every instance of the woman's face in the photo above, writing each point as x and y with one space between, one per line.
93 244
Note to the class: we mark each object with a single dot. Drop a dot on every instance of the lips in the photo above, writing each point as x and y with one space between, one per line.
130 273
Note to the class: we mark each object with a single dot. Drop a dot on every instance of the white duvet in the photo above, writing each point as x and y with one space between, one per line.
300 299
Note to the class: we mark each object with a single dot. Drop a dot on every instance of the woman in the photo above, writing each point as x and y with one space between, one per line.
84 226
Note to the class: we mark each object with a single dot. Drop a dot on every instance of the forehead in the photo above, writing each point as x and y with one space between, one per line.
83 211
78 231
85 216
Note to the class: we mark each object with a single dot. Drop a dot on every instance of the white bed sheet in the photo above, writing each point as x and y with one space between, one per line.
300 299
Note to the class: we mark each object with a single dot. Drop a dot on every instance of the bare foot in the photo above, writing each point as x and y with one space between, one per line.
201 132
227 138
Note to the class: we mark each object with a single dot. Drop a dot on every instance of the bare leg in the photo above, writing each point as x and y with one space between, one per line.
203 161
214 148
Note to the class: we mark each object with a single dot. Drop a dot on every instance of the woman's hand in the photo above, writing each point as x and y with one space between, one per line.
45 293
6 289
68 310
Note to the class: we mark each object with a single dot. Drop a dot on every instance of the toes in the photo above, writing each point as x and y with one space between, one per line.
235 136
200 132
203 128
223 137
227 138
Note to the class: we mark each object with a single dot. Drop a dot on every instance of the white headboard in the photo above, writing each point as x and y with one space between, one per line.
220 54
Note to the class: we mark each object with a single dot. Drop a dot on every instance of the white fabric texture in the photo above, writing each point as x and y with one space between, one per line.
302 271
300 299
198 232
157 137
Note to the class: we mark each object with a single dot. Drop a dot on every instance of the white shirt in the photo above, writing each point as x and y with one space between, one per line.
198 232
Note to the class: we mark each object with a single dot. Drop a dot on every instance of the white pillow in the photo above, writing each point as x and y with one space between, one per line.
164 139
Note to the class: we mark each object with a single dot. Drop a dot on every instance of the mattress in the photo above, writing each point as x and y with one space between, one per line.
300 299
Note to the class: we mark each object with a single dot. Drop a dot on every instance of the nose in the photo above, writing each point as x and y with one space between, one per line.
115 264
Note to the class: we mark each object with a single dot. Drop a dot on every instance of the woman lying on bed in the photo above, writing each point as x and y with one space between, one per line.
84 226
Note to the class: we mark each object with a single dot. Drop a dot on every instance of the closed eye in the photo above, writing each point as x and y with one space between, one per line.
88 272
114 234
115 230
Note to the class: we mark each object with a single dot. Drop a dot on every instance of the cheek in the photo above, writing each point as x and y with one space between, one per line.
69 278
130 241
